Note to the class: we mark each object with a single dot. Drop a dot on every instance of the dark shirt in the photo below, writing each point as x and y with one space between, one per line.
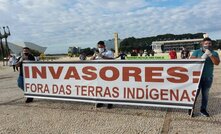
82 57
30 57
122 56
185 54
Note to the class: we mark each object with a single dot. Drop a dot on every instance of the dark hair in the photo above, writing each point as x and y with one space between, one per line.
101 43
207 39
26 48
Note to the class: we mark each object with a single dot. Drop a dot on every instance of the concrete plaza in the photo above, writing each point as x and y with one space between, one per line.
50 116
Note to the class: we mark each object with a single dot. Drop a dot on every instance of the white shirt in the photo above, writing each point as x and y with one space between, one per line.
12 60
106 53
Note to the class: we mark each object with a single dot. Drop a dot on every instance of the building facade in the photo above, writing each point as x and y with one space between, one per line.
165 46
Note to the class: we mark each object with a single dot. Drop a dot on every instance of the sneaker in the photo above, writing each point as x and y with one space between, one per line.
98 105
204 113
109 106
28 100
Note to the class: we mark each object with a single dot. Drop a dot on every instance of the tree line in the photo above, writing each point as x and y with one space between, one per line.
131 43
145 43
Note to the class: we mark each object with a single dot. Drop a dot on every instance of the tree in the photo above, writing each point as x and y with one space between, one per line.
88 51
131 43
42 56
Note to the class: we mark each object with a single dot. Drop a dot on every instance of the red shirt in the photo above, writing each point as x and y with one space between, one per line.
172 54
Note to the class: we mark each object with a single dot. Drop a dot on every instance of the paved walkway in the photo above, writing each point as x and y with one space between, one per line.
49 116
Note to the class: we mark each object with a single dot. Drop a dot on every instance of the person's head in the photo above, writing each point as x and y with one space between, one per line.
100 46
206 43
26 51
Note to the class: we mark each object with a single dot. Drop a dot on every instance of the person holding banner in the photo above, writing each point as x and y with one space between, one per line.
100 54
211 58
26 56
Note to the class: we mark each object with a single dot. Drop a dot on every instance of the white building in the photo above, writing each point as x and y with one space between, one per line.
16 48
163 46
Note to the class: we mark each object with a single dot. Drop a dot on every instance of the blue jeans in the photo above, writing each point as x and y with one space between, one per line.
20 82
204 87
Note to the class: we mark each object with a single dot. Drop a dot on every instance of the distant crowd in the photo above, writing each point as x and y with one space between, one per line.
184 54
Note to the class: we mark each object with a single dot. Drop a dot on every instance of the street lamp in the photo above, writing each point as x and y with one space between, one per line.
5 51
6 34
2 48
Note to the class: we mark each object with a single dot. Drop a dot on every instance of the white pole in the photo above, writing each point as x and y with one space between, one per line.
116 43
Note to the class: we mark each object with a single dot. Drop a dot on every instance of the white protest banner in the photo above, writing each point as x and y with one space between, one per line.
165 83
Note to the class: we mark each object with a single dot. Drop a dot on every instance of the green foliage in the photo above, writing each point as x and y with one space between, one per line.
215 45
88 51
131 43
218 44
70 54
42 56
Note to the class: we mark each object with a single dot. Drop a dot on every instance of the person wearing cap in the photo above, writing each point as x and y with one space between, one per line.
100 54
211 58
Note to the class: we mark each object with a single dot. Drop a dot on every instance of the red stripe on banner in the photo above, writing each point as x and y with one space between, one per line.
196 73
27 74
195 80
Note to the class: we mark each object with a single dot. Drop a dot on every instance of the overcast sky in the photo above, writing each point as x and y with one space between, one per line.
58 24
